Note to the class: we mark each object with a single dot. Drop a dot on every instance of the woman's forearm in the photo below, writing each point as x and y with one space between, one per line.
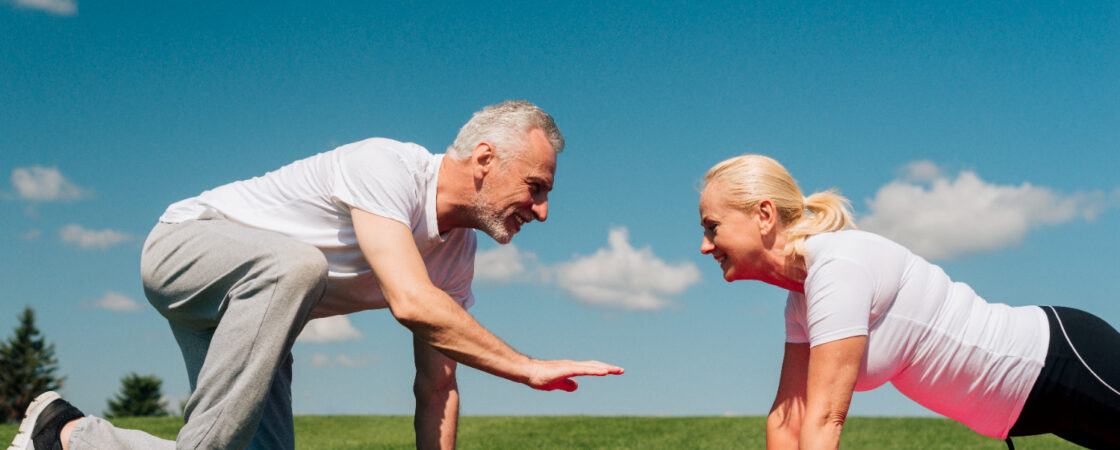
782 431
833 369
821 429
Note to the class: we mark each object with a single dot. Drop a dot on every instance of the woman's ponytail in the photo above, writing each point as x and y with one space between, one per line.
826 211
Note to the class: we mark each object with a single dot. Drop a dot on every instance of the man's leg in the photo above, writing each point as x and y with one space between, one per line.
266 286
276 430
95 432
236 299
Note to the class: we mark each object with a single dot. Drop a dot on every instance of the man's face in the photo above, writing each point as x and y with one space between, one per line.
515 191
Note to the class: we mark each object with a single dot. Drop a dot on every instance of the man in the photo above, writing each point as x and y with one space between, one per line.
238 271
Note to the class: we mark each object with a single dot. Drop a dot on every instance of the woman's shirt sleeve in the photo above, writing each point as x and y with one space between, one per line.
836 303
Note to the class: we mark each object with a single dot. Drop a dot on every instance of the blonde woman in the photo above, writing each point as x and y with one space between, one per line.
863 310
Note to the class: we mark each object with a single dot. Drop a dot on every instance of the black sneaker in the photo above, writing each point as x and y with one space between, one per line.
43 423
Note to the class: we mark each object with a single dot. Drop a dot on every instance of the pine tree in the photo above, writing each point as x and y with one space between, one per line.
139 396
27 368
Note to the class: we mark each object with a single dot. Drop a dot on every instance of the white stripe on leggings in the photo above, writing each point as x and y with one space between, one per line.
1063 327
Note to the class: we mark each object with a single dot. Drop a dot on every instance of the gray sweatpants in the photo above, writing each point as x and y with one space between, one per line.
236 298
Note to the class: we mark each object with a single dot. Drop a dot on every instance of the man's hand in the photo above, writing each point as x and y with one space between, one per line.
552 375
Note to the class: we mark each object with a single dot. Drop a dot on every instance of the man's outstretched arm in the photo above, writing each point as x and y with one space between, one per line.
434 318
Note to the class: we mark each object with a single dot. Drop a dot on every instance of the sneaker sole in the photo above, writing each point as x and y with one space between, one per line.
23 437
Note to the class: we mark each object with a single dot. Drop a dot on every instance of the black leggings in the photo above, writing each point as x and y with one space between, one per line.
1077 395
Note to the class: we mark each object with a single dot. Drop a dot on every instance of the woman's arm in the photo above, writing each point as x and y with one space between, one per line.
784 422
833 369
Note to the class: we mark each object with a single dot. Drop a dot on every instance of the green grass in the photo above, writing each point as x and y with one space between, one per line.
364 432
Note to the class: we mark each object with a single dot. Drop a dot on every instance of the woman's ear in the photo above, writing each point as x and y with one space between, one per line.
767 215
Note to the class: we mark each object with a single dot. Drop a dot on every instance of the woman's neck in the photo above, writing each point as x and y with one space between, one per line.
786 271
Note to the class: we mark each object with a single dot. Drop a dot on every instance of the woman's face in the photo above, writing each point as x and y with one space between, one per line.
732 236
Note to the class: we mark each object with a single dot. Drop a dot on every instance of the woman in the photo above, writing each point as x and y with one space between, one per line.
863 310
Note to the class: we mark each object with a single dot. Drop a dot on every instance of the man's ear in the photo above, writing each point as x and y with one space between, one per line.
483 160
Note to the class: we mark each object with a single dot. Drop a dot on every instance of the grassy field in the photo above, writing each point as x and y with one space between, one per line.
366 432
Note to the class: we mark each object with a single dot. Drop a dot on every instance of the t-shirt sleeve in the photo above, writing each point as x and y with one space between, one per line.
378 180
796 331
838 296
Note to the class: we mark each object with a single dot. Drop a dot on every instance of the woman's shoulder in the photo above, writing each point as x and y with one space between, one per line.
853 245
847 237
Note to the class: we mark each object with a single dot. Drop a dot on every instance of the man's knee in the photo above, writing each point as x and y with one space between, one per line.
302 267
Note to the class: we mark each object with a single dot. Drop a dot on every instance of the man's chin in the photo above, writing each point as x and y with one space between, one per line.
503 237
509 230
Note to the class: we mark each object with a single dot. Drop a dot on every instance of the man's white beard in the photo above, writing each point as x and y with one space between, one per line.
489 219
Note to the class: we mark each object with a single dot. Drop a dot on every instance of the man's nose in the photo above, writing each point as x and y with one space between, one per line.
540 209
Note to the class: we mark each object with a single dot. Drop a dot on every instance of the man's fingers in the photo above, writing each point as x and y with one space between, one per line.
592 368
600 369
569 385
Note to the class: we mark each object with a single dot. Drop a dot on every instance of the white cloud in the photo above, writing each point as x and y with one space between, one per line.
324 361
57 7
361 361
941 217
922 171
329 329
44 184
618 276
33 235
116 301
501 264
621 276
88 239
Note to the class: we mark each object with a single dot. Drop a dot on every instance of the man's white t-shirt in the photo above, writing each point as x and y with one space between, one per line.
310 199
938 342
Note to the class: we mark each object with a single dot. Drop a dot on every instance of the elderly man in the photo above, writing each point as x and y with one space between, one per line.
238 270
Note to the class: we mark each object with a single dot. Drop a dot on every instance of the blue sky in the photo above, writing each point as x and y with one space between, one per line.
986 137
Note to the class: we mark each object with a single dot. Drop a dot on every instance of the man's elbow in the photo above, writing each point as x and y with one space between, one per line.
406 307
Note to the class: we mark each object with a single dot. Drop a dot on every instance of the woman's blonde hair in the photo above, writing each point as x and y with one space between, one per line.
748 179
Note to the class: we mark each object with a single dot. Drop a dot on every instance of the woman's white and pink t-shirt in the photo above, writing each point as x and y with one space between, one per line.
938 342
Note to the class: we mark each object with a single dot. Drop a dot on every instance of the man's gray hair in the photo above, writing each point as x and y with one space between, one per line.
505 125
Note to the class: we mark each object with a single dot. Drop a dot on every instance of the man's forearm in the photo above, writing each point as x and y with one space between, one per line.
444 325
